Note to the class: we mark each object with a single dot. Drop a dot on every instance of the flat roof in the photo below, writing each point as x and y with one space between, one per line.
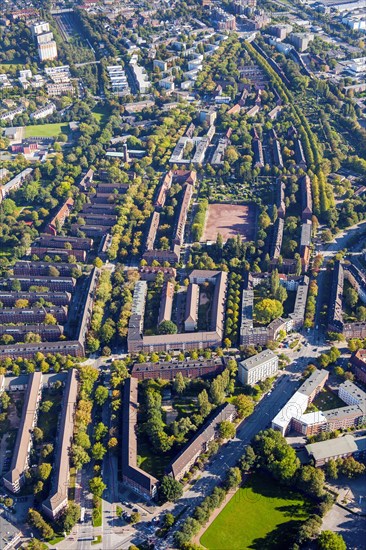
294 408
332 447
256 360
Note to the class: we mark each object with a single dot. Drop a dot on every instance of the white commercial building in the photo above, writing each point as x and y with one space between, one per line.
259 367
39 28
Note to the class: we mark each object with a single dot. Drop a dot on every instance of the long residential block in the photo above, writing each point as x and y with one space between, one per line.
15 478
58 498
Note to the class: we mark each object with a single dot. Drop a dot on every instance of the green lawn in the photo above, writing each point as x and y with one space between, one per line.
101 114
46 130
259 516
327 400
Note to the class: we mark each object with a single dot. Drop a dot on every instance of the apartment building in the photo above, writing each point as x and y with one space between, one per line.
166 304
258 367
149 273
59 241
32 315
9 298
45 111
306 199
15 183
15 478
200 442
25 267
168 370
358 361
59 219
58 497
136 478
28 351
18 332
192 303
52 283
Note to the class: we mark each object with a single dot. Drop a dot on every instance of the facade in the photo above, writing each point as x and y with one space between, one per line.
168 370
15 478
258 367
47 51
58 497
132 475
199 443
358 361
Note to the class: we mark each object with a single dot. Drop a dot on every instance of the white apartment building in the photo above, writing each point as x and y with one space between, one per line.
44 38
259 367
39 28
44 111
47 51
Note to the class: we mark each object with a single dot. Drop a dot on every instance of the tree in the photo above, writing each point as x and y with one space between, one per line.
135 517
204 403
167 327
101 395
37 434
331 469
98 263
309 529
244 405
70 516
82 439
351 468
328 540
311 481
179 383
98 451
233 478
46 406
266 310
44 471
100 430
351 297
170 489
39 523
79 456
169 520
112 443
50 319
248 459
275 455
97 486
227 429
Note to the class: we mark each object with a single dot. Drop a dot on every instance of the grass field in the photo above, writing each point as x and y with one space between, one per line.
46 130
100 114
151 462
259 516
327 400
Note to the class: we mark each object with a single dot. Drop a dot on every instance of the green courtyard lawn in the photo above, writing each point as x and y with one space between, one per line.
151 462
46 130
327 400
259 516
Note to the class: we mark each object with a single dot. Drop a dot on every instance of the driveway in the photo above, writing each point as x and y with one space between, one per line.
351 527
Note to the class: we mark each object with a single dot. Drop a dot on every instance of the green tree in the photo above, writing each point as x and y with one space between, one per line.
328 540
266 310
169 520
227 429
311 481
70 516
233 478
44 471
98 451
244 405
100 430
101 395
167 327
170 489
82 439
79 456
331 469
179 383
97 486
135 517
275 455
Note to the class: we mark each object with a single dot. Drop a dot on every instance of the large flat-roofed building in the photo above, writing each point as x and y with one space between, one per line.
136 478
294 409
199 444
258 367
58 498
332 449
15 478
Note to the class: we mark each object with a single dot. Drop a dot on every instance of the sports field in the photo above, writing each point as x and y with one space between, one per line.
258 516
46 130
230 220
